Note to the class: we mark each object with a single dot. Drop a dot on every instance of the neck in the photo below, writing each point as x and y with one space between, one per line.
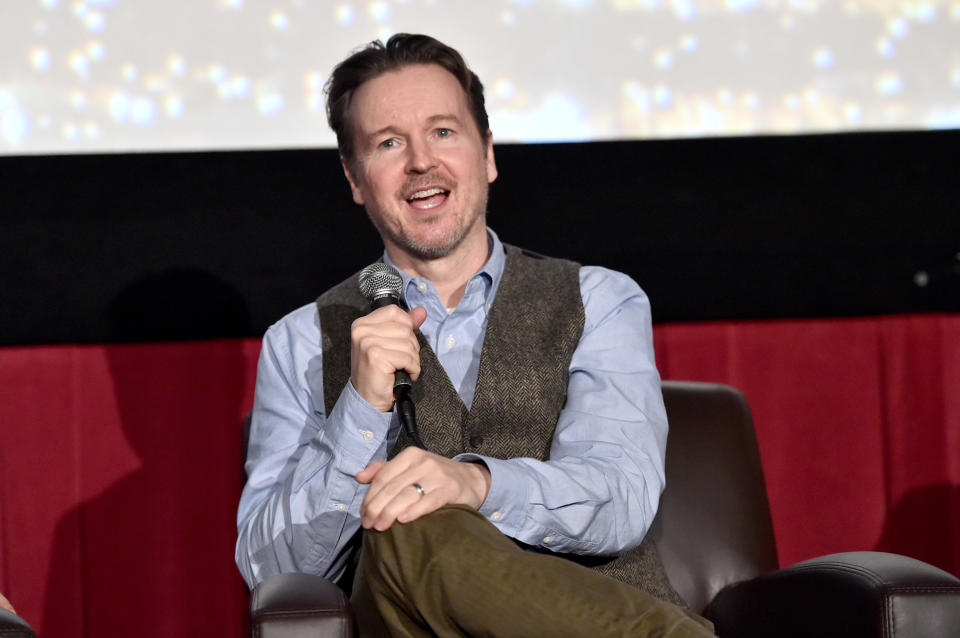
448 274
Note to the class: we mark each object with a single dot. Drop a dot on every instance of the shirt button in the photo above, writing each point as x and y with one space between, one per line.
367 435
341 507
476 441
496 516
450 341
547 540
422 287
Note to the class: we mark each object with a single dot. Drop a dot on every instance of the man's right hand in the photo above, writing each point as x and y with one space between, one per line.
383 342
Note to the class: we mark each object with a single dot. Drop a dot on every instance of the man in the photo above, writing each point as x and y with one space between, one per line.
535 388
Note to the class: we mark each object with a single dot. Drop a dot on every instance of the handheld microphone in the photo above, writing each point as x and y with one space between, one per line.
381 286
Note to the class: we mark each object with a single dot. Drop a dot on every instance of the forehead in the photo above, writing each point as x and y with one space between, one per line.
406 97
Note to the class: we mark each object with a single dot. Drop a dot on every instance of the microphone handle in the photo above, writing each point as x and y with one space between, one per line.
407 414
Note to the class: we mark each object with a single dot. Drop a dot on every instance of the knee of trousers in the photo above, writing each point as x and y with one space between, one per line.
441 537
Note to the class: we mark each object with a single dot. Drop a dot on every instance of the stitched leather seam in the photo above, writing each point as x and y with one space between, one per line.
890 627
272 615
842 568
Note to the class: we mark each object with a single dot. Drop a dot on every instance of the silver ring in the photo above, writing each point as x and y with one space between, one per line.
419 488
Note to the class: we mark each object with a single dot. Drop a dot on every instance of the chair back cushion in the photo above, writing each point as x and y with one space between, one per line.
13 626
713 527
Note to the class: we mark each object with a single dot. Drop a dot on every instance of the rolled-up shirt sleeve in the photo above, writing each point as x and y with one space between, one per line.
599 490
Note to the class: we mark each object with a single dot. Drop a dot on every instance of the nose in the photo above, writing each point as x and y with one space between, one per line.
420 157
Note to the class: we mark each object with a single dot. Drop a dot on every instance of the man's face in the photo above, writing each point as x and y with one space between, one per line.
421 168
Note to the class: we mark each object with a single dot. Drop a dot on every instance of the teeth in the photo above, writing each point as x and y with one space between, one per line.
427 193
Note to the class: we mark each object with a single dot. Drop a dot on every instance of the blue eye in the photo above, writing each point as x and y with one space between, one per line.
444 132
388 143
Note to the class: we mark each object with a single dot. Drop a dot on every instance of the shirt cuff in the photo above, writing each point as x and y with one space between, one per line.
362 432
505 505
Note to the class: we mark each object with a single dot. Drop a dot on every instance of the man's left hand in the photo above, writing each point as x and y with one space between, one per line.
393 495
5 604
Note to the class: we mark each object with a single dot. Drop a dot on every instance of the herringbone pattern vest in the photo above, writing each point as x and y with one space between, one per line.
533 328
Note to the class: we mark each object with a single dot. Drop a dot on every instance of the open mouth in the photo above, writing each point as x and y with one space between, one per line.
428 198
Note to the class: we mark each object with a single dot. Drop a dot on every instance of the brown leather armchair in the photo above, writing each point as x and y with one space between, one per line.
13 626
715 537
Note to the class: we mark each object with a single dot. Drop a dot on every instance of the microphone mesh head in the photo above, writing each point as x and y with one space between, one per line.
378 280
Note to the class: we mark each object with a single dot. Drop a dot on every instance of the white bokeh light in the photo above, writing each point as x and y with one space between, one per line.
270 103
14 122
40 58
345 14
380 11
238 74
174 107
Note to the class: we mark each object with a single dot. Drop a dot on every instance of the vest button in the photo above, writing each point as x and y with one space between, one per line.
476 441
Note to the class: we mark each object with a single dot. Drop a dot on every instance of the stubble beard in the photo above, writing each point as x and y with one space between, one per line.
438 248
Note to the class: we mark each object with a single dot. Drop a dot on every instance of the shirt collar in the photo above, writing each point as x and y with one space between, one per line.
490 274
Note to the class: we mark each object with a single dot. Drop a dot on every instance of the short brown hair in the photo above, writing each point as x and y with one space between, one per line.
375 59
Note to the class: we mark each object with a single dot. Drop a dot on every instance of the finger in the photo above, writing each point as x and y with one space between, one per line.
406 499
389 494
386 358
393 469
367 474
390 318
431 501
380 511
373 369
386 314
391 335
398 318
367 343
389 481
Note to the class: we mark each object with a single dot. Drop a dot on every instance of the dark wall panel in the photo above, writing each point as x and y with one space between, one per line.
195 245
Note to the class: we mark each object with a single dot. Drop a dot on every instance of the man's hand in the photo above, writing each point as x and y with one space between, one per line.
393 496
5 604
383 342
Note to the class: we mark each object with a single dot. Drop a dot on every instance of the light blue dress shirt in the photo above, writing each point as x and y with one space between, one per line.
597 494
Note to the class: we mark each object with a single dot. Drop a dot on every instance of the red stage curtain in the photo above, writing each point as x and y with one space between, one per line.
120 477
858 423
120 465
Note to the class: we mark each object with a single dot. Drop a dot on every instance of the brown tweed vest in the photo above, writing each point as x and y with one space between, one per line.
521 384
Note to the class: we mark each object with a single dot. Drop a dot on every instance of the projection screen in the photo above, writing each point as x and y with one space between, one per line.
147 75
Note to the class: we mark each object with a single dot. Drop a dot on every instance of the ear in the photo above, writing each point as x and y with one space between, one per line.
491 163
354 188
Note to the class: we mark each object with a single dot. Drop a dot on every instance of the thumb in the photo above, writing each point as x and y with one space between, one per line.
419 315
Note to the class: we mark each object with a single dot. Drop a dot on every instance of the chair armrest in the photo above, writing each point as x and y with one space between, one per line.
13 626
293 605
846 595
